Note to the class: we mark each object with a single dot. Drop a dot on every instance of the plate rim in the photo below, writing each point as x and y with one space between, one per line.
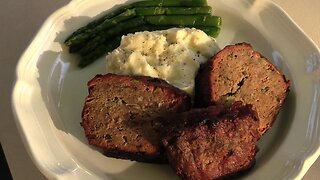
43 32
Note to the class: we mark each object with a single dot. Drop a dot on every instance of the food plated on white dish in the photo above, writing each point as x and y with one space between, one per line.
50 91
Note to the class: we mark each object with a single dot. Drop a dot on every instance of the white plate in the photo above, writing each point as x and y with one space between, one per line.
49 93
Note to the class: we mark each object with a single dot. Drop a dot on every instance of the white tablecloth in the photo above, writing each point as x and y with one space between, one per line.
20 20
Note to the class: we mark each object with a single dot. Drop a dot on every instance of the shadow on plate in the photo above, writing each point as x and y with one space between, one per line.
146 171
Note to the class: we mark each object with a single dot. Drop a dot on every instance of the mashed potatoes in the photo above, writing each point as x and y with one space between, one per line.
174 55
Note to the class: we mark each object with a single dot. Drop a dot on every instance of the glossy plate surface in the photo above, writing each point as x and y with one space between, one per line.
49 93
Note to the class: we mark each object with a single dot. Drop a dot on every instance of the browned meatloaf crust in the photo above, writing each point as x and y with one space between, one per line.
239 73
212 143
121 112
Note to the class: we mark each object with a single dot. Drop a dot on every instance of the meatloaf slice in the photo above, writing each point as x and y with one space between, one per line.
211 143
239 73
121 114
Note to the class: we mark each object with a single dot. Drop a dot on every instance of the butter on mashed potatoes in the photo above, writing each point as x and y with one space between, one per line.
174 55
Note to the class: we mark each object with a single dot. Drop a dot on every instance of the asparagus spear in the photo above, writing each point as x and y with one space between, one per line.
184 20
77 41
149 3
185 3
98 52
105 35
143 11
212 31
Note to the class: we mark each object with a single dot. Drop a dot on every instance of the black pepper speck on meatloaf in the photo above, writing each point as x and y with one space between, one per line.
121 115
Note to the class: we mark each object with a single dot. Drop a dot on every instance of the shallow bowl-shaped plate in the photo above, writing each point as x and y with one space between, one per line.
50 90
